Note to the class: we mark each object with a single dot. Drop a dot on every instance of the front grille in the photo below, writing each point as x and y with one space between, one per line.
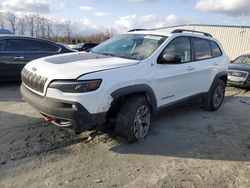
237 74
33 80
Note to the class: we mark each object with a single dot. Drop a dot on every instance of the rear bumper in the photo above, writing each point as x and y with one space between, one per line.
80 119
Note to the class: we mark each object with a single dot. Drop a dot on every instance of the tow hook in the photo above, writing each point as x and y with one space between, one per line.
48 119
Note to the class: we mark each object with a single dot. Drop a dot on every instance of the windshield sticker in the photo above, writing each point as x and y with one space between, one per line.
153 37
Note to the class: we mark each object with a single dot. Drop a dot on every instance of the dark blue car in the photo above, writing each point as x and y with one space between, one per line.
16 51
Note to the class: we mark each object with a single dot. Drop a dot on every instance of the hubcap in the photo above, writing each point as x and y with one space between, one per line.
142 122
218 96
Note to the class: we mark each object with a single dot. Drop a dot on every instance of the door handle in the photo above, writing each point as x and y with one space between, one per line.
19 58
190 68
216 63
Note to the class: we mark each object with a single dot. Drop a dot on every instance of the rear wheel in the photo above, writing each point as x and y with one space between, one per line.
215 96
134 119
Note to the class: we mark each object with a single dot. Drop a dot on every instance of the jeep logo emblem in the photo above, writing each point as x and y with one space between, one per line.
34 69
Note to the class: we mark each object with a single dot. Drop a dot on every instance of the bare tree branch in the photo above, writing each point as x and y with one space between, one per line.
2 20
22 26
12 19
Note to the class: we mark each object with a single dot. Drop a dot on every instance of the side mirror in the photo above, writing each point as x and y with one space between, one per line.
167 58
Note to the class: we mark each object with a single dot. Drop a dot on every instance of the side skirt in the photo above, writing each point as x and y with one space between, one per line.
181 102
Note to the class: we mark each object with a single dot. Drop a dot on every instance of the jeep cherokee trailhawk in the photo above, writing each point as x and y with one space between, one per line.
127 79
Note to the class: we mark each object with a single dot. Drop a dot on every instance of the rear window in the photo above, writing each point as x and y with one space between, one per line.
201 48
216 51
39 46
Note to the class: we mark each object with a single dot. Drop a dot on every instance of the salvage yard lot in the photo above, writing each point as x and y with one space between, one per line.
186 147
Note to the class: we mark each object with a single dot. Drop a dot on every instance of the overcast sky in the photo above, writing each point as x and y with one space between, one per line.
128 14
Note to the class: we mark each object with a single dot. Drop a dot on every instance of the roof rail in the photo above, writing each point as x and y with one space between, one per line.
191 31
137 30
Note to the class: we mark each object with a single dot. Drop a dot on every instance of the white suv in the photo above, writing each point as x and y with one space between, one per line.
127 79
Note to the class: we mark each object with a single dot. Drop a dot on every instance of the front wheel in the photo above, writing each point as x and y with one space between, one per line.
215 96
134 119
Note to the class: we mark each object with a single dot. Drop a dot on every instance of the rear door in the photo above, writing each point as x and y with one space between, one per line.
207 58
11 58
35 49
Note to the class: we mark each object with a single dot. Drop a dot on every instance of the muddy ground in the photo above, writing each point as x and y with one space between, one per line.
186 147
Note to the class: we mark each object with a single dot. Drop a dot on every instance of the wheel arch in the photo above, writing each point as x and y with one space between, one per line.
137 89
220 76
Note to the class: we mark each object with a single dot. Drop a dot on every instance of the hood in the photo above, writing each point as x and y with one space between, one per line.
242 67
73 65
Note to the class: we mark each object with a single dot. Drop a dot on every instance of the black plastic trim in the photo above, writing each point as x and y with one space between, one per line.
182 101
140 88
191 31
218 76
80 118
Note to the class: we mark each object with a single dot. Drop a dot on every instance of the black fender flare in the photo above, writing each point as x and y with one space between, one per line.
140 88
218 76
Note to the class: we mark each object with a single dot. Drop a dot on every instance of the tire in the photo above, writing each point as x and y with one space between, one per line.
215 96
134 119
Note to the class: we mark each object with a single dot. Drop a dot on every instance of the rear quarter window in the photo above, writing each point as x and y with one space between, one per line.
40 46
216 51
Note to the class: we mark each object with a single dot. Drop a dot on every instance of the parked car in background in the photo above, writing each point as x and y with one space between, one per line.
239 71
84 46
16 51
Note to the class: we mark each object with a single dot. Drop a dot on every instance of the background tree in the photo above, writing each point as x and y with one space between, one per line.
13 20
35 25
30 19
2 20
68 30
22 26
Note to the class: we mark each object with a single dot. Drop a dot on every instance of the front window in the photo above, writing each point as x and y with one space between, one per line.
247 60
130 46
180 47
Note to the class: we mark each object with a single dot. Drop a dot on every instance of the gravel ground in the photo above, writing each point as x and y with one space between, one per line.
186 147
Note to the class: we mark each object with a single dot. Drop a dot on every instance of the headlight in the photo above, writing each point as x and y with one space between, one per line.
76 86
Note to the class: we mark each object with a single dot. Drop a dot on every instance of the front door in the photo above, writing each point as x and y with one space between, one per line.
176 81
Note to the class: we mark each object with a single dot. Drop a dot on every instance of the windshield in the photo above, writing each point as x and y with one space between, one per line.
242 60
130 46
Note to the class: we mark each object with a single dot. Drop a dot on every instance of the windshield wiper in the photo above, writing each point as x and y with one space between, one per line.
115 55
107 54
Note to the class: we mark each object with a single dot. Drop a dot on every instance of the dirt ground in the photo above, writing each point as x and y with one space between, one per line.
186 147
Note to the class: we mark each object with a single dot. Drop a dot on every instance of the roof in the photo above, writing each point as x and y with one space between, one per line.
5 31
8 36
150 32
168 34
206 25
